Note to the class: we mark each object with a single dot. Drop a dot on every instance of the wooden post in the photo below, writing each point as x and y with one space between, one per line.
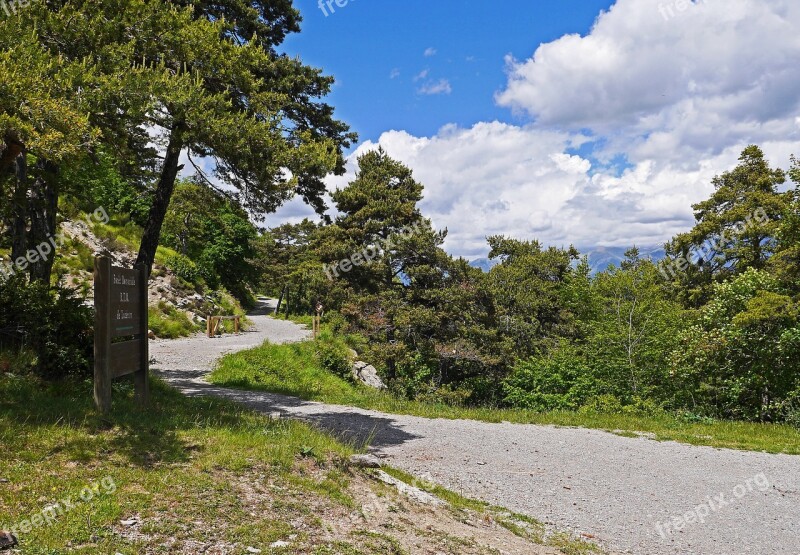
102 331
141 378
317 321
236 325
208 326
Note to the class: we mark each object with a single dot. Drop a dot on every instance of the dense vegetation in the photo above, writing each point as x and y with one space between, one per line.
712 331
102 105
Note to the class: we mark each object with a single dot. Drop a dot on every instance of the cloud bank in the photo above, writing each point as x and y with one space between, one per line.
626 126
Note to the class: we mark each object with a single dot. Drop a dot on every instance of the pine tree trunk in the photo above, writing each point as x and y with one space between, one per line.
43 208
161 200
280 301
19 230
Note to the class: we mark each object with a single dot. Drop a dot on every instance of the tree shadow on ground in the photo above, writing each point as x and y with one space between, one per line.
360 428
143 436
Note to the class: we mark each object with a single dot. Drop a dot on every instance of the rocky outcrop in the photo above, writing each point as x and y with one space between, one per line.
368 375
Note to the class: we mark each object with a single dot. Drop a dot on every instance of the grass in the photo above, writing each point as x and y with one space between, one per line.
123 234
176 467
167 322
189 474
293 369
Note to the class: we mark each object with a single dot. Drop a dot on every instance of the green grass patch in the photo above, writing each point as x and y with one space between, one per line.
167 322
296 369
190 471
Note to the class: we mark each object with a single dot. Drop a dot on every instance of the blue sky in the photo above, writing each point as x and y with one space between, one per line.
584 122
366 42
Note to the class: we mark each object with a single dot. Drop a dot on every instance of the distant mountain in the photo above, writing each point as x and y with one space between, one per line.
600 258
484 264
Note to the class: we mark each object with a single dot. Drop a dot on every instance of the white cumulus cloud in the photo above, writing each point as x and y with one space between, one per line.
627 126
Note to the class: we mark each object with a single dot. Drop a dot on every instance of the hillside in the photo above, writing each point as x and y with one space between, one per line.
177 306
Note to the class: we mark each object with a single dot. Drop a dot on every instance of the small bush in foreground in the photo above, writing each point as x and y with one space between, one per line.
53 322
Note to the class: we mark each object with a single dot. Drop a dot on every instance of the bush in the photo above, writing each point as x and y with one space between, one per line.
560 382
183 267
51 321
167 322
447 395
334 356
610 404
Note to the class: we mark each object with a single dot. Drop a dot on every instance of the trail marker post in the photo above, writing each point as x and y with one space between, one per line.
120 302
317 321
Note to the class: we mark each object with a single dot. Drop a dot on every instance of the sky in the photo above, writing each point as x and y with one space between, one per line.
585 122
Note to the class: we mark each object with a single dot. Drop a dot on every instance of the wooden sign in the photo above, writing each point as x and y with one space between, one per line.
120 301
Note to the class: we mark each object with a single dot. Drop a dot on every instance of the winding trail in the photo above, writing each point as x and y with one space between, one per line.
614 489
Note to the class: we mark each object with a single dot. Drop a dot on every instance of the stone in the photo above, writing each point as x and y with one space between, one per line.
368 375
365 461
411 492
150 334
7 540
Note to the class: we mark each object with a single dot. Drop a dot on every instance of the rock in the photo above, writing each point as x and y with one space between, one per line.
411 492
253 550
279 543
150 334
367 375
365 461
7 541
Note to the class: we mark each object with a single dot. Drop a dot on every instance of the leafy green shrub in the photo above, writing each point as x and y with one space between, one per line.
53 322
694 418
17 361
611 404
603 404
168 322
559 382
183 267
790 409
447 395
334 356
100 184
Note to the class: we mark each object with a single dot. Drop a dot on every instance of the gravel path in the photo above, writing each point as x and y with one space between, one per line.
614 489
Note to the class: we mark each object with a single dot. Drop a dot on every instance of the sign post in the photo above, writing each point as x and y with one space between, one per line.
120 301
317 322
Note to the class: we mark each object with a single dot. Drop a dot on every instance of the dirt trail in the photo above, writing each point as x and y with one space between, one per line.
615 489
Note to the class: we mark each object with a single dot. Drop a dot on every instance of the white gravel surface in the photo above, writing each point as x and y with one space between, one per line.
612 488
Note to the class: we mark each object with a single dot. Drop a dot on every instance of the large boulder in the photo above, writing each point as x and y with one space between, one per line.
367 375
